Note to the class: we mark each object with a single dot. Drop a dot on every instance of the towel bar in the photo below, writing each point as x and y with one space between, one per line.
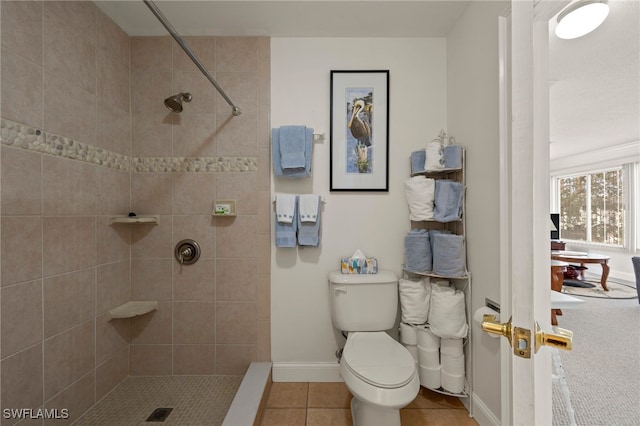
322 200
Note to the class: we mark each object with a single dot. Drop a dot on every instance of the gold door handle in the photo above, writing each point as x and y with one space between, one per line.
561 339
490 325
520 338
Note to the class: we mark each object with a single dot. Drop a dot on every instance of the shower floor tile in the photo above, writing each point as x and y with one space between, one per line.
196 401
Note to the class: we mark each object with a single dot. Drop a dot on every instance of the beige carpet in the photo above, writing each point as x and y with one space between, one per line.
603 369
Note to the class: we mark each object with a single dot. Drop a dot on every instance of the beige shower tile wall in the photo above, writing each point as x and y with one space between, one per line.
65 70
214 315
69 71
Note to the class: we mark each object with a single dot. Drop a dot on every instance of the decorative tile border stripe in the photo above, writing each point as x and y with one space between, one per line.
26 137
195 164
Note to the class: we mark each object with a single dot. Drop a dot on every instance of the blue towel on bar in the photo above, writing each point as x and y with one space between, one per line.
452 157
417 251
449 255
292 151
286 232
447 201
309 232
417 161
277 161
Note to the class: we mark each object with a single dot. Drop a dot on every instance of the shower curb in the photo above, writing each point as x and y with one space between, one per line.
248 404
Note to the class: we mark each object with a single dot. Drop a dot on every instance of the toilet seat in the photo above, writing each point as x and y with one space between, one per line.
379 360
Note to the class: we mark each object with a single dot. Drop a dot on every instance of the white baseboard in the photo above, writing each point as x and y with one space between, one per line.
482 414
306 372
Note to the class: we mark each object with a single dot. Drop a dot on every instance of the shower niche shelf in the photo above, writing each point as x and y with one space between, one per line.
133 308
149 219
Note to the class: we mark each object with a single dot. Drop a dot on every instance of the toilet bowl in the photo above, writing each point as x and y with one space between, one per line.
381 375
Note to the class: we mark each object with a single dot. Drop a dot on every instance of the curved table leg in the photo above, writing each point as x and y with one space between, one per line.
605 274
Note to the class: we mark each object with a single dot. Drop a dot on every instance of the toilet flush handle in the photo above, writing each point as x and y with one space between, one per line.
340 290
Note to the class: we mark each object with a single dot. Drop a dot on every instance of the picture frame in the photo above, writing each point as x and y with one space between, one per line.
359 130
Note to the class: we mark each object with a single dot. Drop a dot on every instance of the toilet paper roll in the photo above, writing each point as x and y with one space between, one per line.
453 365
427 339
481 312
428 358
451 347
413 350
408 334
452 383
429 377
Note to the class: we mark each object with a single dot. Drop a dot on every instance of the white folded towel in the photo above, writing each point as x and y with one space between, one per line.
285 207
420 193
308 207
447 316
434 156
414 300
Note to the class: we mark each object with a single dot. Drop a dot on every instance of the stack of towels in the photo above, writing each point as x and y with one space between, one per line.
436 157
431 199
297 220
292 148
432 329
437 251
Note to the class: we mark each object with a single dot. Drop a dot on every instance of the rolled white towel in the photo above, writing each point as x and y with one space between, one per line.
414 301
420 193
434 156
447 317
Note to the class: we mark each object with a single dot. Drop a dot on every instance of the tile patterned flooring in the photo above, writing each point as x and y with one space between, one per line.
327 404
288 404
190 397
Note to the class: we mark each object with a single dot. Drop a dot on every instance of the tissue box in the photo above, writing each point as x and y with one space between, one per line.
366 265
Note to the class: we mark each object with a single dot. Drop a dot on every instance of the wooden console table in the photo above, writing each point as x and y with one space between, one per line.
587 258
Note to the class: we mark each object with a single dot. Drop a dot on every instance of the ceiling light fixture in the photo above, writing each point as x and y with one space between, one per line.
581 18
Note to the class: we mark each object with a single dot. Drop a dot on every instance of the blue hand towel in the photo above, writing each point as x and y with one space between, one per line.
452 157
417 161
286 232
276 158
309 232
417 251
447 201
292 147
449 258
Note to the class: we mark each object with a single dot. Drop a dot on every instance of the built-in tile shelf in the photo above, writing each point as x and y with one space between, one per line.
133 308
152 219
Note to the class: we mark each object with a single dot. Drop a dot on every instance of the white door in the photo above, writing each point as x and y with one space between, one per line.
525 288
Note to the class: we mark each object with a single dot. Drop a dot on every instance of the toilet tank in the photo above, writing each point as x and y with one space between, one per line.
363 302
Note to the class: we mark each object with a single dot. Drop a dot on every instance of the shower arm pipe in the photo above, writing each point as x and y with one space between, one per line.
163 20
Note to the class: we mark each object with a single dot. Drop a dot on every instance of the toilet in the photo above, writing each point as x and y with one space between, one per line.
379 372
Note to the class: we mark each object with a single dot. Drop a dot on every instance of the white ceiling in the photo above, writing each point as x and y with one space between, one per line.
595 80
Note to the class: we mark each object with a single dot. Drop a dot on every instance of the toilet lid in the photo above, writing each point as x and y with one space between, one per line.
378 359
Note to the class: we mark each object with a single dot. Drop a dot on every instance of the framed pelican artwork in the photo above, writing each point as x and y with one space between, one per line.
359 131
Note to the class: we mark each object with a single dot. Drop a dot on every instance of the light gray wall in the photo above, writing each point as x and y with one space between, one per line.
472 98
302 333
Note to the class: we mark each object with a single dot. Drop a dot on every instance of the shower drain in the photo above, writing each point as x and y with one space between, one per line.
159 415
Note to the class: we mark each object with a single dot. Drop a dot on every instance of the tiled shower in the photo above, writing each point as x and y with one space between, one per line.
85 136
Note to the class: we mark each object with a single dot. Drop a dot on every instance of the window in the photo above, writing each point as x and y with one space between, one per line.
592 207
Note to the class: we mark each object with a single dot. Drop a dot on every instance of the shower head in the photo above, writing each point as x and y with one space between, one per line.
174 103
